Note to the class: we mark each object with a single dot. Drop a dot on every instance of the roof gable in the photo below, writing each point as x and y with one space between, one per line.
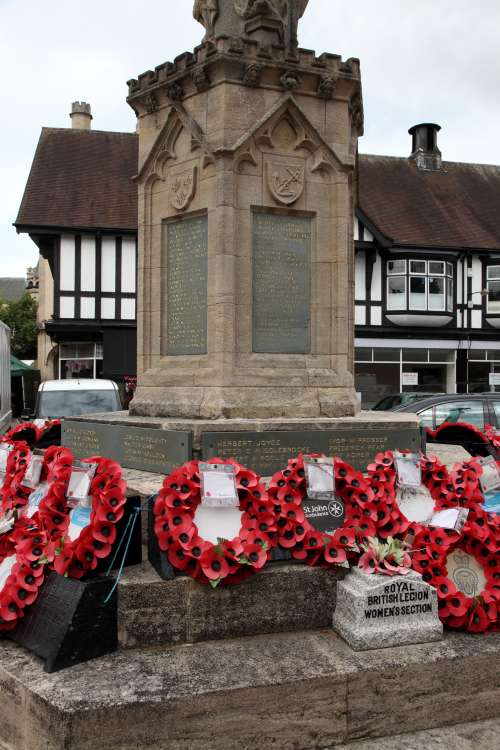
81 179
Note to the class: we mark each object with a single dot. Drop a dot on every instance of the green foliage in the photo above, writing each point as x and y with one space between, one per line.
20 316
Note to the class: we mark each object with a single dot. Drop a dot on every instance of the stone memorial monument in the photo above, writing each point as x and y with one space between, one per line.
373 611
246 180
246 184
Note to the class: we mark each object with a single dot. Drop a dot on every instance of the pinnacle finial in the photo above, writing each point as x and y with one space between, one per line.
264 20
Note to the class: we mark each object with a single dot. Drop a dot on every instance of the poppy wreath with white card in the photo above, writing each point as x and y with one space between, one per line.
465 573
22 574
364 513
43 506
13 494
414 509
219 561
91 531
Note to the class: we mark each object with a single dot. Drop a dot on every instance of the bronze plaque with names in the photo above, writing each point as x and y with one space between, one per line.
185 330
141 448
281 284
268 452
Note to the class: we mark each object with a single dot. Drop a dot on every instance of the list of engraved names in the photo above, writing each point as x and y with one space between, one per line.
281 284
187 254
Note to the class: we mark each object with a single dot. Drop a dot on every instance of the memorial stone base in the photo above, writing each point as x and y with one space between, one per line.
274 692
375 611
159 445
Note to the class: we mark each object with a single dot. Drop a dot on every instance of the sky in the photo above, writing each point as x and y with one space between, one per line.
422 61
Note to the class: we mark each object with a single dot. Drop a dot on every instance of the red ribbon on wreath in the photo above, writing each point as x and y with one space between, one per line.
366 513
108 494
230 561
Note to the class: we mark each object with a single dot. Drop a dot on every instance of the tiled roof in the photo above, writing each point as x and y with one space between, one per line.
82 179
457 207
12 289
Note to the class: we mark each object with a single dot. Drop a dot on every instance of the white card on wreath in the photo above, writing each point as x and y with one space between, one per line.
79 518
320 478
490 478
450 518
218 486
79 482
6 569
408 468
416 504
4 457
33 472
35 499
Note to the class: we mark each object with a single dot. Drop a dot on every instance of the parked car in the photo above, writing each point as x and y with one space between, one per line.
5 392
71 398
456 411
395 400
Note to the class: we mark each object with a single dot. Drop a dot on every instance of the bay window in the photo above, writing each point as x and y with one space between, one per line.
420 285
493 286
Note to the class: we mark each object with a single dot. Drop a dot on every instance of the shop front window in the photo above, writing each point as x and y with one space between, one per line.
80 361
420 285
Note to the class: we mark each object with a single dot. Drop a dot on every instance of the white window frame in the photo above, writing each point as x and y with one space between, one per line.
97 356
447 274
490 278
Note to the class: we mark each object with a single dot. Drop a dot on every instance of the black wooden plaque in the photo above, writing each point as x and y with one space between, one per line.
142 448
281 284
186 286
70 622
325 515
268 452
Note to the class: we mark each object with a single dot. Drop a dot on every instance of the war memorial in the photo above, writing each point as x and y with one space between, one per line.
308 581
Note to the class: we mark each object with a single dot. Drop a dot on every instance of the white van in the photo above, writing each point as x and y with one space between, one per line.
5 389
72 398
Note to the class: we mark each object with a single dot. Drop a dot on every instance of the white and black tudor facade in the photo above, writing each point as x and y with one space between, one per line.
427 243
80 208
427 263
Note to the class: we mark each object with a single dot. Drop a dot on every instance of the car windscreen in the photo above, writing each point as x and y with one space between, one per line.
73 403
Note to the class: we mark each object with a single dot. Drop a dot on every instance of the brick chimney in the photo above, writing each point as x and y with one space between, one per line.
81 116
425 152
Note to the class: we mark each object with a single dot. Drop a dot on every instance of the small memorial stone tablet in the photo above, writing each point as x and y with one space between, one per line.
375 611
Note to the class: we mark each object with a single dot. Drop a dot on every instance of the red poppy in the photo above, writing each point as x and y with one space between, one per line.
214 565
256 555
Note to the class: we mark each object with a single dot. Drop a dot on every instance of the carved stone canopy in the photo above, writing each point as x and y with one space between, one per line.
263 20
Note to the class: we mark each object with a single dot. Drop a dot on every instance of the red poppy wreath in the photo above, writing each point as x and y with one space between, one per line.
22 574
13 494
229 561
466 574
82 546
43 507
444 490
365 514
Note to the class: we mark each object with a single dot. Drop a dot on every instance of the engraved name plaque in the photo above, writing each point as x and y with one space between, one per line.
268 452
185 330
142 448
281 284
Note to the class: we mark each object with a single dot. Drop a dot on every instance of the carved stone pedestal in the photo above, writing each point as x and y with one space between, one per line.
246 182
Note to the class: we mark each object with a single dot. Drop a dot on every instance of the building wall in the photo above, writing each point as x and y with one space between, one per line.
455 349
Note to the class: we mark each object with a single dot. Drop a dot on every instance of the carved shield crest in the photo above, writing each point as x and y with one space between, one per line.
183 188
286 182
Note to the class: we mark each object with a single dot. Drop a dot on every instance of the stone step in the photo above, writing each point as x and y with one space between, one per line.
477 735
282 598
295 691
